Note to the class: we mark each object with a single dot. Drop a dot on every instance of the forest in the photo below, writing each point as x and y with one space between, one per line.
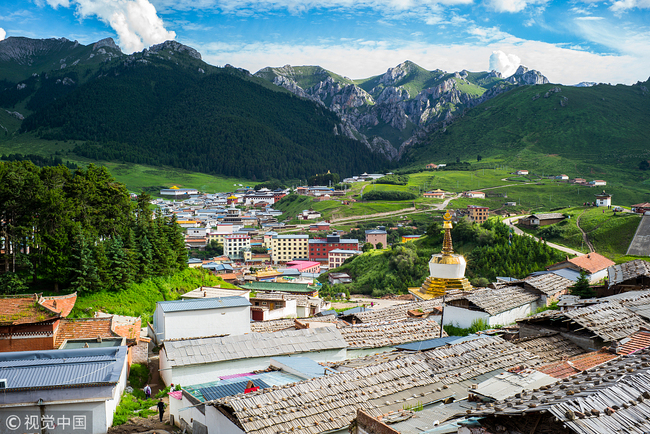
79 231
165 115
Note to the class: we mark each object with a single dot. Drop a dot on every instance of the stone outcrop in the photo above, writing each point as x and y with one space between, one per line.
390 101
174 46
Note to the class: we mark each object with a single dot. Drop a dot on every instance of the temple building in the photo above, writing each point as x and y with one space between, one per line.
446 270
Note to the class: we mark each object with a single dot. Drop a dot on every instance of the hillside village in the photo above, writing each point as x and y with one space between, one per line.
267 354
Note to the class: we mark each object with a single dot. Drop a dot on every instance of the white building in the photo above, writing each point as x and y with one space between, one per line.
176 192
500 306
58 385
235 244
604 199
194 361
598 182
521 172
182 319
336 257
474 194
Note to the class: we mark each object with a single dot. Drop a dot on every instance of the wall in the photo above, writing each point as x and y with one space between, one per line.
118 389
462 318
218 423
509 316
366 424
140 352
597 276
288 311
204 373
26 343
208 322
184 409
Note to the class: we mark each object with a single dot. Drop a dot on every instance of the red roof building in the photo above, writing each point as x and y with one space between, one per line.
319 248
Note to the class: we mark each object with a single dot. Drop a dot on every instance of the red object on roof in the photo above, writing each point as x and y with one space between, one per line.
252 389
593 262
302 265
576 364
176 394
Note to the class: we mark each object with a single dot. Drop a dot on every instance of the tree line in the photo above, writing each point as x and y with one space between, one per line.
79 231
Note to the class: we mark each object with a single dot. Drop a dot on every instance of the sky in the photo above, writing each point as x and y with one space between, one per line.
603 41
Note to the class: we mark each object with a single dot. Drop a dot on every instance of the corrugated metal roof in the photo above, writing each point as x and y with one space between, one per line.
508 384
229 389
303 365
217 349
203 303
61 368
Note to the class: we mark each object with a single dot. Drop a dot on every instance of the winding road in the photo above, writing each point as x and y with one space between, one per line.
509 222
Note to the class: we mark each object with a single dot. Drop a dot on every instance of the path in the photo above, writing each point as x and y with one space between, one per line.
584 235
640 245
518 231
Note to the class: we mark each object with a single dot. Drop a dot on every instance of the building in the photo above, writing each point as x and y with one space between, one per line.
178 192
319 248
474 194
629 276
597 183
562 177
235 244
193 318
446 270
31 322
536 220
285 248
435 194
593 264
377 236
336 257
268 306
431 166
604 199
194 361
321 226
521 172
291 288
478 214
75 387
305 266
641 208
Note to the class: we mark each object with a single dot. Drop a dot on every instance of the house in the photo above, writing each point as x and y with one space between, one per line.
536 220
494 306
474 194
77 388
604 199
336 257
594 264
200 360
579 181
478 214
562 177
550 285
31 322
319 248
597 182
338 278
191 318
521 172
309 214
214 292
435 194
272 305
377 236
641 208
235 245
319 227
589 327
431 166
629 276
305 266
178 192
291 288
285 248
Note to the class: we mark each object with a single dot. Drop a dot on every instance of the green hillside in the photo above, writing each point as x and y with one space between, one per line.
172 109
595 133
304 76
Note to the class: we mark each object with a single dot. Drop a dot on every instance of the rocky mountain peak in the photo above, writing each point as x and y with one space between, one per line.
175 46
525 76
23 50
393 75
106 42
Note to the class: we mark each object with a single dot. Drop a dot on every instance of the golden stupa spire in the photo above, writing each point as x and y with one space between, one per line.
447 246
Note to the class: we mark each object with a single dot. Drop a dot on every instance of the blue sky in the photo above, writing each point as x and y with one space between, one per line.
568 41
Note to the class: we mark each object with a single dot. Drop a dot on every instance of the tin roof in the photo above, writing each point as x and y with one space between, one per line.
218 349
629 270
275 286
203 303
508 384
62 368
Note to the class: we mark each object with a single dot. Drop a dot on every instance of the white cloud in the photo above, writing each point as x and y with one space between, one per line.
3 34
559 64
136 22
590 18
506 64
624 5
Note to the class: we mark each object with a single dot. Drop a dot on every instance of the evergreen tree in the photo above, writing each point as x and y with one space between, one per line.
82 266
119 271
581 288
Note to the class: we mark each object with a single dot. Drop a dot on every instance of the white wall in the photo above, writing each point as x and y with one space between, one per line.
462 318
206 372
217 423
207 322
111 404
182 408
597 276
288 311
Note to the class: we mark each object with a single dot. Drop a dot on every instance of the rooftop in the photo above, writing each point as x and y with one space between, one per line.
495 301
592 262
84 328
217 349
28 309
550 348
282 287
202 304
628 270
389 333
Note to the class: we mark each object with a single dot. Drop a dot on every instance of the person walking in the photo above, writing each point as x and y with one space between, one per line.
147 391
161 409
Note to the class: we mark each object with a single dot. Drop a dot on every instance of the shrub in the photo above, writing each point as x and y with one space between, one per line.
139 376
389 195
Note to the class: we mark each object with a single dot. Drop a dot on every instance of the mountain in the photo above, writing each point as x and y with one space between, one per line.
601 130
165 106
390 112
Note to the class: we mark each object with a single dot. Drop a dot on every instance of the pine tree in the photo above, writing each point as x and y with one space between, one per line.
82 266
581 288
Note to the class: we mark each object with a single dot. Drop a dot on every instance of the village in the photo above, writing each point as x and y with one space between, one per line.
267 354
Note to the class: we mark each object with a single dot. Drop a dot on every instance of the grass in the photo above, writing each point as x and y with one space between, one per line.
477 326
140 298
